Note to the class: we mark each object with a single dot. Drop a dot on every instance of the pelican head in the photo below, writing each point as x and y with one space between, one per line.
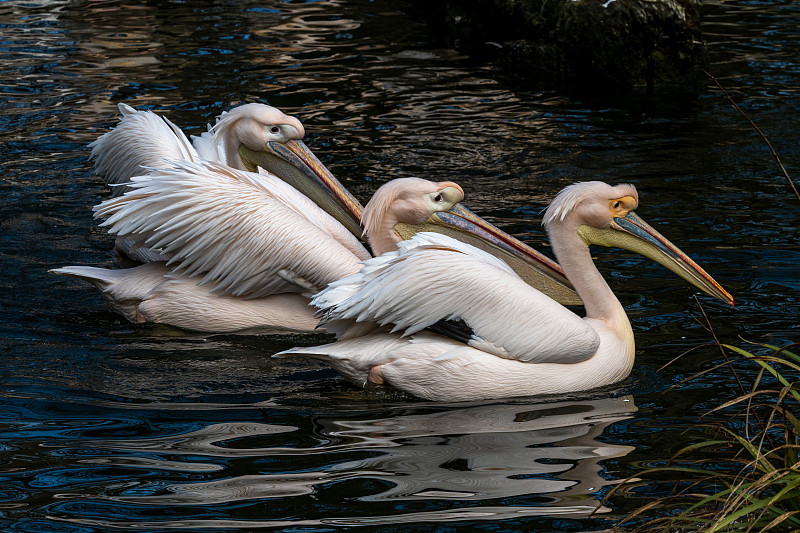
407 201
603 214
257 135
406 206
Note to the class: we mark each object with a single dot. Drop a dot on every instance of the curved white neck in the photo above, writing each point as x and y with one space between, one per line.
384 240
230 147
574 257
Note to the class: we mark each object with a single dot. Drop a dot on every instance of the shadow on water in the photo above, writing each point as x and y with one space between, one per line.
105 425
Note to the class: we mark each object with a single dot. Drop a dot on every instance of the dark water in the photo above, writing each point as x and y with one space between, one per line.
107 426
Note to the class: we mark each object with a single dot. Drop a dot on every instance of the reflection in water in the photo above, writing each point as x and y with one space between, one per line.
547 454
495 451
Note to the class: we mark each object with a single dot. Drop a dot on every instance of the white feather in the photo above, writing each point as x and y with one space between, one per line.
151 293
206 147
232 228
432 277
141 139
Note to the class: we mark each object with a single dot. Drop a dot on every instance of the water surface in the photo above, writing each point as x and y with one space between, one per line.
109 426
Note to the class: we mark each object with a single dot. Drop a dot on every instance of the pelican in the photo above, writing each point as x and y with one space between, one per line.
246 249
522 342
256 239
248 137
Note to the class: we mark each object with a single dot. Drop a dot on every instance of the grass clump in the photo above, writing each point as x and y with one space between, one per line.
745 475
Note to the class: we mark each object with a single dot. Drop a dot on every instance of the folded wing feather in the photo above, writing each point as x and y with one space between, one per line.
433 277
246 233
141 139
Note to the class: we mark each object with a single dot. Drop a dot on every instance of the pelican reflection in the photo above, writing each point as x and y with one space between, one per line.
549 452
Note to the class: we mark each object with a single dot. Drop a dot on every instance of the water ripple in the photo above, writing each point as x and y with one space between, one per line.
479 453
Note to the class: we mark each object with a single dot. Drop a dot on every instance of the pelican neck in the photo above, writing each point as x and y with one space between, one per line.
575 259
230 148
385 240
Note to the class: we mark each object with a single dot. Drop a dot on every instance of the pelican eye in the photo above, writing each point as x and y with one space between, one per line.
620 207
275 129
443 198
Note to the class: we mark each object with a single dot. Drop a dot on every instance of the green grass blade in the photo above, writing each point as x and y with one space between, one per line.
758 505
782 351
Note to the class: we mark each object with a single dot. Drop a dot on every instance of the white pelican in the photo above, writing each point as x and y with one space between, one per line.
245 138
522 342
246 247
256 239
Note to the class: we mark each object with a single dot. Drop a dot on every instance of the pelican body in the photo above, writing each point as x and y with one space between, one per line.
522 342
241 248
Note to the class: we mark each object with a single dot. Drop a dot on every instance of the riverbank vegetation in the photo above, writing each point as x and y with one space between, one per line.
743 472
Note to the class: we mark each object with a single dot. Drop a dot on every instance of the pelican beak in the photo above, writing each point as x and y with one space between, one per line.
536 269
632 233
295 164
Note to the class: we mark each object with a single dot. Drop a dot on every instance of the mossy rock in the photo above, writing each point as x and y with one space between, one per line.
597 44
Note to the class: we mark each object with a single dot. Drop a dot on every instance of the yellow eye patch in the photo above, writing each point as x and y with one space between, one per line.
621 206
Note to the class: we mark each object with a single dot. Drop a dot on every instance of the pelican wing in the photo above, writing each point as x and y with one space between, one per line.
249 234
433 277
141 139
